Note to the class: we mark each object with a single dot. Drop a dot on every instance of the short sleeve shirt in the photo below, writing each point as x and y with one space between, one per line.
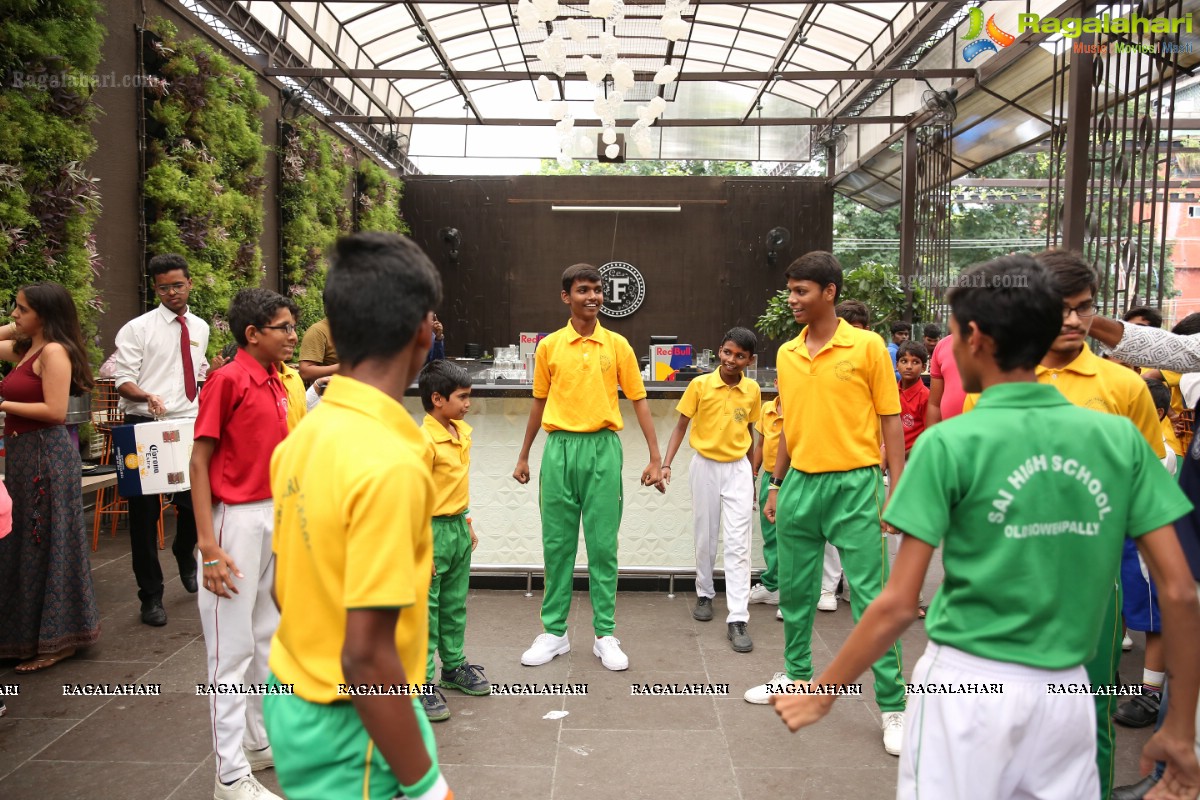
578 377
833 400
721 415
293 386
317 346
352 531
244 407
450 460
1033 524
943 366
913 402
770 423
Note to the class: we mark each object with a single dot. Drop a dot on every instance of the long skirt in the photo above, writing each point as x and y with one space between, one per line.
47 601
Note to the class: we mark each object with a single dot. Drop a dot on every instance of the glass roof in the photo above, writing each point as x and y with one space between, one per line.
478 63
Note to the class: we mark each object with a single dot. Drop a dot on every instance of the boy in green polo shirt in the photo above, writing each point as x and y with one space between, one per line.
1032 527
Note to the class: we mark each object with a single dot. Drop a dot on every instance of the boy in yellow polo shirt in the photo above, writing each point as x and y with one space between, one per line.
446 396
762 463
838 393
576 374
724 404
353 546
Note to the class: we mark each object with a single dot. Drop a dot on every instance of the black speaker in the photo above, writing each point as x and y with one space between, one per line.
601 147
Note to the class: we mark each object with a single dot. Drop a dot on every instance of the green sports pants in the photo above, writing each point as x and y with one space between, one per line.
842 508
448 592
580 480
1102 671
323 752
770 576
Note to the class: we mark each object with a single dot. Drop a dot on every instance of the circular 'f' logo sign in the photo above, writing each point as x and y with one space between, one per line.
624 289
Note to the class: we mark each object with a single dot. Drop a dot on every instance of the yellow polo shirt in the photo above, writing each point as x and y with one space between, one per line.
578 377
450 459
834 399
721 415
770 423
293 384
1171 379
353 502
1091 382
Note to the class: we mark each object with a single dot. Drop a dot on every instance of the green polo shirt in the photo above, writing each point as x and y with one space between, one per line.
1032 498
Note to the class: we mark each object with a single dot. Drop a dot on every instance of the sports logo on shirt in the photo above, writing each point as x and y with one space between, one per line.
844 370
1096 404
624 289
739 415
605 362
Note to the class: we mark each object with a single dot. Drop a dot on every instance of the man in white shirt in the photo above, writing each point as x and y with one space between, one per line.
160 358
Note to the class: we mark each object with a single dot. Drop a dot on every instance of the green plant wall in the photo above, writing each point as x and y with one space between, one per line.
379 197
316 168
205 180
49 203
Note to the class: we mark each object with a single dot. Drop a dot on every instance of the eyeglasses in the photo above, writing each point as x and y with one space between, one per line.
289 328
171 288
1084 310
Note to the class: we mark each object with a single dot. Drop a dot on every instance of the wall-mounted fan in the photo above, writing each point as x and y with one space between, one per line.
941 105
778 238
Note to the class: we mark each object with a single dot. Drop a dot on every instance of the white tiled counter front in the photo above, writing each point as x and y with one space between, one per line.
656 529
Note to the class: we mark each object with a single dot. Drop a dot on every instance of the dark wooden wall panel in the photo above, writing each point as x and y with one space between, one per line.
705 267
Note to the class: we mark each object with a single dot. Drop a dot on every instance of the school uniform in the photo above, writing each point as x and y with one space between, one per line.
352 532
1031 528
580 476
449 459
244 408
834 491
722 482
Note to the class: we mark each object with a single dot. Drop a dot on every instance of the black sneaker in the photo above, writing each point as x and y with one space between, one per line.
153 613
1139 712
467 678
435 706
703 610
738 638
1135 791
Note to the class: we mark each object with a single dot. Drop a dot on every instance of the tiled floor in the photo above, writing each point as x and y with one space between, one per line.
609 745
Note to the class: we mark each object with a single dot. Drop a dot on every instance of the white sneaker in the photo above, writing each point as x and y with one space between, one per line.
260 759
761 594
608 648
779 613
761 695
246 788
545 647
893 732
828 602
1127 643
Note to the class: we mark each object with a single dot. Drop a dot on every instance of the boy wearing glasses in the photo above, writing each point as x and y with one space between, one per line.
242 419
1089 381
160 358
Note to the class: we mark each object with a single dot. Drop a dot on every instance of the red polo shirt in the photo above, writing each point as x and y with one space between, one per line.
912 412
244 407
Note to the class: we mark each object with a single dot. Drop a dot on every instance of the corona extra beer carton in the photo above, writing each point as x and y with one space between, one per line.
152 458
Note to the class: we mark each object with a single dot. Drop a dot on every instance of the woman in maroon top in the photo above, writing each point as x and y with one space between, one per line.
47 603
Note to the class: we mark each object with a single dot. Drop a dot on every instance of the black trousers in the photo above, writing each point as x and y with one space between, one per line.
143 535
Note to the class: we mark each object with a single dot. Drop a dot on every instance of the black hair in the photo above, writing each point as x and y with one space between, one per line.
167 262
443 377
742 337
912 348
1149 314
229 351
1012 300
1188 326
579 272
379 288
820 267
1069 273
1161 394
899 326
854 311
256 307
932 330
60 323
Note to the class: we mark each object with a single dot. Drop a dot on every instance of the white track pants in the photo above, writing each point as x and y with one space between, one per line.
723 496
237 634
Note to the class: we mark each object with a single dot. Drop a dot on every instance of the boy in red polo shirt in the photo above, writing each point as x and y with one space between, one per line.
242 417
911 359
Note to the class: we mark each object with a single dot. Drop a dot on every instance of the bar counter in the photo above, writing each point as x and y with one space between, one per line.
656 529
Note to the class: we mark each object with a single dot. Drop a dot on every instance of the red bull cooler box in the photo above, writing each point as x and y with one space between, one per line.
152 458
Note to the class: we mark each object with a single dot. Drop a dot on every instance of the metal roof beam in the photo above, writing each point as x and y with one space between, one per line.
527 122
440 54
729 77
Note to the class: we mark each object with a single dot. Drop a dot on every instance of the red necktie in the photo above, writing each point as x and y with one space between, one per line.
185 350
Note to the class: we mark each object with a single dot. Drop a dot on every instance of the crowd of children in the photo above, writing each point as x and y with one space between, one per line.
334 570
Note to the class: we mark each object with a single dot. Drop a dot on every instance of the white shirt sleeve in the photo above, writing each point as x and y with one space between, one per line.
129 354
1189 387
1144 346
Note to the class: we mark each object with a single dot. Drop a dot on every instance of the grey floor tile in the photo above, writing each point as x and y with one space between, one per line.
611 705
43 694
20 739
470 782
499 731
66 780
171 729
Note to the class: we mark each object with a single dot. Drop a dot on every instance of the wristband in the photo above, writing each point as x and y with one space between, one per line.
212 563
775 482
431 787
772 488
667 466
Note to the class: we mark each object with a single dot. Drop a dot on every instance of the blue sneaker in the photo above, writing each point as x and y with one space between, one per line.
467 678
435 706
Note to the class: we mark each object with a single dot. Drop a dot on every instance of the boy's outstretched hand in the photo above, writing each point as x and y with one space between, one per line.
1181 781
800 710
